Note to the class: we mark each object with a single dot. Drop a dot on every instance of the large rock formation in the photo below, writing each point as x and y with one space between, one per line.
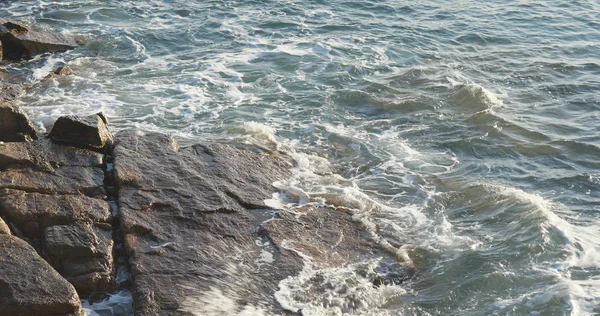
29 285
196 227
18 42
187 220
54 197
196 230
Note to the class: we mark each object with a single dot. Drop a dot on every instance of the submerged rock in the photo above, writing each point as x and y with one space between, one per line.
18 42
329 237
60 71
10 91
85 132
63 71
29 285
15 126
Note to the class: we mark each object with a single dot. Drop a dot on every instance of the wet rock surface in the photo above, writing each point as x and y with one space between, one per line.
19 42
54 197
85 132
45 155
196 227
14 124
29 285
10 91
188 221
328 236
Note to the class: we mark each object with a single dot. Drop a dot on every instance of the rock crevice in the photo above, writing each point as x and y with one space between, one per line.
54 197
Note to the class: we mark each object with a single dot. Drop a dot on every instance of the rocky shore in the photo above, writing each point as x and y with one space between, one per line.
85 213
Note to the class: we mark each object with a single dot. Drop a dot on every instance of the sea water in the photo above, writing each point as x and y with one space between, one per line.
466 131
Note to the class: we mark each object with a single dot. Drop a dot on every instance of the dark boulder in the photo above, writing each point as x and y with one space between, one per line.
29 285
89 132
15 126
63 70
60 71
19 43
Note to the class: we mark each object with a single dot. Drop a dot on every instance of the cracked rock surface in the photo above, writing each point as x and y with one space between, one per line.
54 197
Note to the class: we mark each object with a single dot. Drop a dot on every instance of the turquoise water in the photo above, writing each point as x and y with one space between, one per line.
465 130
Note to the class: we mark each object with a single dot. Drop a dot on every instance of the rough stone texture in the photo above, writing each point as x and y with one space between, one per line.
60 71
14 124
93 282
21 207
189 223
64 180
79 266
63 71
73 241
85 132
29 285
46 155
54 196
195 224
328 236
18 42
83 254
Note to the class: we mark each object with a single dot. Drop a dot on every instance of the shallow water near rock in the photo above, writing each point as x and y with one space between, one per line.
464 136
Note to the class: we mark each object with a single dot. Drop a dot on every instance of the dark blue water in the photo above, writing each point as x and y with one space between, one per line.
466 131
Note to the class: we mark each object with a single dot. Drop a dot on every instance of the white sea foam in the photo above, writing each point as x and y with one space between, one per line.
215 303
257 133
472 95
342 291
116 304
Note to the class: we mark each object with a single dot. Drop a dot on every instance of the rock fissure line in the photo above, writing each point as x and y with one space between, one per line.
120 263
